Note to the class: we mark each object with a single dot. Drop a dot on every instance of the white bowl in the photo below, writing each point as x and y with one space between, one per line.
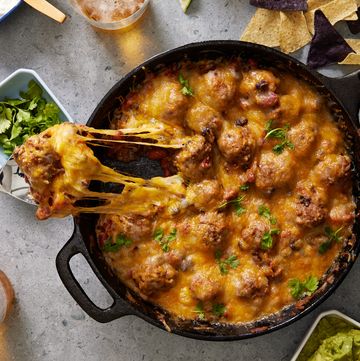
332 313
11 180
11 10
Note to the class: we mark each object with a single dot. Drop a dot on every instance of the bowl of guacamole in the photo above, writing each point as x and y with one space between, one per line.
333 337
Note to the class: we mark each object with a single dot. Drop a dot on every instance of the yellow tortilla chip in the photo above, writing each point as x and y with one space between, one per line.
316 4
352 58
263 28
351 17
294 33
335 11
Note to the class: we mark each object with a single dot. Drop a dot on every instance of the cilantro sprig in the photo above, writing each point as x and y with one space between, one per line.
267 241
218 309
278 133
265 212
199 310
186 89
299 289
227 263
21 118
159 236
333 237
237 204
120 241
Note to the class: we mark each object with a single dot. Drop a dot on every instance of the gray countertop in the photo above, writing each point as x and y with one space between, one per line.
80 64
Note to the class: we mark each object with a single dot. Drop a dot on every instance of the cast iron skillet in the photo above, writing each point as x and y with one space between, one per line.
343 95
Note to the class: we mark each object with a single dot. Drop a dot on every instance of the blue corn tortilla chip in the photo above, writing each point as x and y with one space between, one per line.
327 45
281 5
354 26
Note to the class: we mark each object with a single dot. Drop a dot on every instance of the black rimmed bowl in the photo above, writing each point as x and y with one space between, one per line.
343 96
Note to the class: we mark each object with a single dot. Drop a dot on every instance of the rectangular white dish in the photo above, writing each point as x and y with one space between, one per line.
18 81
11 10
332 313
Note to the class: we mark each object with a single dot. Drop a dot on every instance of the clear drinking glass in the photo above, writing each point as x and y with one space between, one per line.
114 25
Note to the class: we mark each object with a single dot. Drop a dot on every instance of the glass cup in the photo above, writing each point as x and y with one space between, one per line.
114 25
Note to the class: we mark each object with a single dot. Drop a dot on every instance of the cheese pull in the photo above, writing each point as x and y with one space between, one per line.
59 166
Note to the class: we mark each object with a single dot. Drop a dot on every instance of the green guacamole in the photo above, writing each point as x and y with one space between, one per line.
332 340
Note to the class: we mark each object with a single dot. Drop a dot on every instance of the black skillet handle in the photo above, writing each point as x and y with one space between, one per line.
73 247
347 89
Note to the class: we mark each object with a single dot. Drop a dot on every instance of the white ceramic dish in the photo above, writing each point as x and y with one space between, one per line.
11 181
332 313
10 11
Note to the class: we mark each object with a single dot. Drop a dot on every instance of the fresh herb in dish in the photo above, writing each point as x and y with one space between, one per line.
23 117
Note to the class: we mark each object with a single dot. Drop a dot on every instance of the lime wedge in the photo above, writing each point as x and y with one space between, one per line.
185 4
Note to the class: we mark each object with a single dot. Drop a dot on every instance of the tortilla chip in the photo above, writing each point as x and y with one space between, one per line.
353 59
352 17
294 33
281 5
327 45
354 26
263 28
316 4
335 11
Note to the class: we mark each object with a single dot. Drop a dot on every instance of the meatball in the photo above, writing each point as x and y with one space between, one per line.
332 168
204 120
166 102
253 234
343 211
236 144
205 285
251 283
261 85
152 278
204 194
211 228
217 88
194 160
303 136
310 206
136 227
274 171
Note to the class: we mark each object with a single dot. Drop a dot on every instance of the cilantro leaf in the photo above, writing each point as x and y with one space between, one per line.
265 212
21 118
199 309
300 289
267 239
186 89
164 242
120 241
333 236
218 309
245 187
237 203
278 133
224 264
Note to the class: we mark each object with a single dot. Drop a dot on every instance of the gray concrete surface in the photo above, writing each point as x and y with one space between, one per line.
80 64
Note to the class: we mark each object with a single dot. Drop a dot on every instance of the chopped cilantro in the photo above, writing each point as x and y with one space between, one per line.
267 240
218 309
186 89
237 203
158 236
300 289
120 241
199 309
245 187
265 212
225 264
333 236
22 118
278 133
